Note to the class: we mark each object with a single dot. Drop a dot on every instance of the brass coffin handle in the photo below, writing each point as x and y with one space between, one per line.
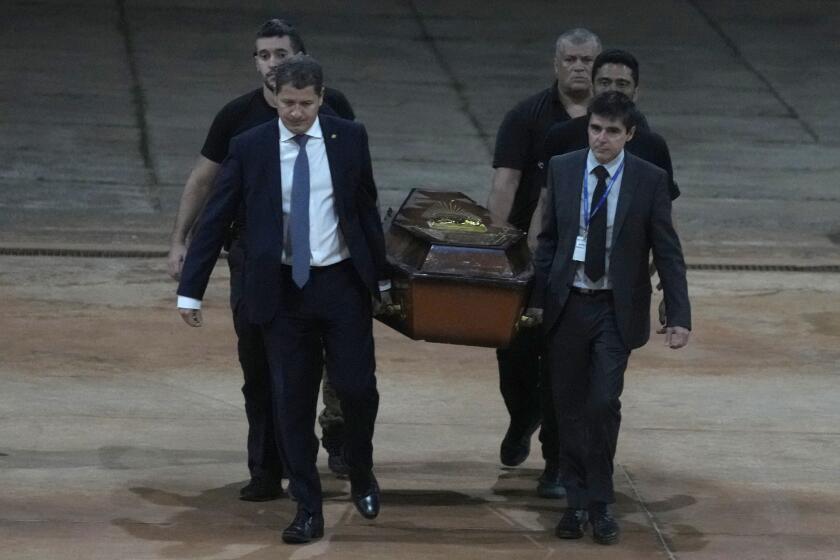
526 322
390 310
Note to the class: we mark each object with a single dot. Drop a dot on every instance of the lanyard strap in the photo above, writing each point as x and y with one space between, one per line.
587 216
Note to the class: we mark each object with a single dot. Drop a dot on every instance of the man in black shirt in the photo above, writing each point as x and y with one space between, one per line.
517 181
613 70
275 41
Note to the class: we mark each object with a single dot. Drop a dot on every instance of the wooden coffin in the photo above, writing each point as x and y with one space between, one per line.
459 276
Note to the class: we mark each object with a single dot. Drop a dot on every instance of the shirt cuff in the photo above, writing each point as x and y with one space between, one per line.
384 285
185 302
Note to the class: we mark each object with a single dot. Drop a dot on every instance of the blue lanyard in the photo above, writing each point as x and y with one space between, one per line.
587 217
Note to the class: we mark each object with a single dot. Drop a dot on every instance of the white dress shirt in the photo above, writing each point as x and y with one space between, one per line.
581 279
326 244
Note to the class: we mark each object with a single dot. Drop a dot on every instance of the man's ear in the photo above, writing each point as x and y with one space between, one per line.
631 133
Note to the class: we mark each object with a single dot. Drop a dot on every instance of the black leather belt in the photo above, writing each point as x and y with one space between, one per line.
588 291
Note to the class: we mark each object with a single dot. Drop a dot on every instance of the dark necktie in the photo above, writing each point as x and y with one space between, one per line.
299 215
596 243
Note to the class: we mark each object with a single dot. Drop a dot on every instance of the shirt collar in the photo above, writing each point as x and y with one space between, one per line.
612 167
314 130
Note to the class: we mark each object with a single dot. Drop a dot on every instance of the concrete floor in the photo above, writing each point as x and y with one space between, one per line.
122 432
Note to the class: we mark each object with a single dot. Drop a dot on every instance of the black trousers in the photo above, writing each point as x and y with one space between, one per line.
331 317
525 385
264 459
587 358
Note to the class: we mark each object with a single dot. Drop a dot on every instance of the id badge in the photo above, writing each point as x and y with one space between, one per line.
580 249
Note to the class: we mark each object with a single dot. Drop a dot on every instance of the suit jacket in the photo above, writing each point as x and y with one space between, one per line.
642 223
251 174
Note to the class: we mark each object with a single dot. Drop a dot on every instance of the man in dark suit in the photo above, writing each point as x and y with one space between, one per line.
605 211
613 70
275 41
316 255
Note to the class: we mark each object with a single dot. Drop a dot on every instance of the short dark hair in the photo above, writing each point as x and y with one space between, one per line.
617 56
615 106
277 27
300 71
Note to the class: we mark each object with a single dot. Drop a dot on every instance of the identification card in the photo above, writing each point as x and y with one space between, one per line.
580 249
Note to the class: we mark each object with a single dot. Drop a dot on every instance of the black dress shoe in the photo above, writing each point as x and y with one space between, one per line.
571 524
364 491
605 528
549 485
516 444
305 527
261 490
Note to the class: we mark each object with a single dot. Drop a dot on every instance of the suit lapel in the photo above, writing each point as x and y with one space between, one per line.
625 195
569 200
332 147
271 157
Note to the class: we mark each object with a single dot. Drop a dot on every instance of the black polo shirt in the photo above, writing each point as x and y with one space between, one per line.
519 145
249 110
572 135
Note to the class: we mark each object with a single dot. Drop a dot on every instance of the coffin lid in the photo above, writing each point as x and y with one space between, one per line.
454 219
446 235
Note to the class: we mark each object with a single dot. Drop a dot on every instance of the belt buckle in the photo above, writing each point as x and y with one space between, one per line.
586 291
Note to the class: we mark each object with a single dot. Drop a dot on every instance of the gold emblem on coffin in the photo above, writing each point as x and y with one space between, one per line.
449 216
450 222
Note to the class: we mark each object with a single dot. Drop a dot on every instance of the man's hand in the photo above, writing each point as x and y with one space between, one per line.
382 305
175 260
663 317
192 317
532 317
676 337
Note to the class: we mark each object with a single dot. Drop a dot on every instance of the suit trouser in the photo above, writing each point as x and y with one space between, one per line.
525 385
263 457
587 358
330 316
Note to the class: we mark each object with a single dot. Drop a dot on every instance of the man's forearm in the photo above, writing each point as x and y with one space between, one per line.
195 195
503 192
537 222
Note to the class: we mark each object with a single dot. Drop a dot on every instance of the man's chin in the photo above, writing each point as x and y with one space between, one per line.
579 87
603 157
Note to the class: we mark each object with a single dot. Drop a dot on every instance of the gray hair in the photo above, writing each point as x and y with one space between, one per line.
577 36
